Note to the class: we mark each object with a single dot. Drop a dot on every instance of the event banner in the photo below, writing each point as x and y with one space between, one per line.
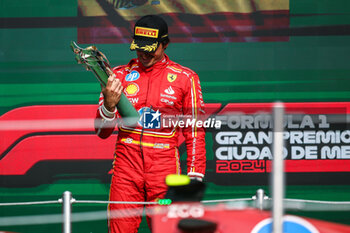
316 143
55 138
190 21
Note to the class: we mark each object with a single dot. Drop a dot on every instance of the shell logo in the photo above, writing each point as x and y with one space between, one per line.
131 89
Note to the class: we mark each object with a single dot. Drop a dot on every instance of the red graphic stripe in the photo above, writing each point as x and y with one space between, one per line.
55 147
50 114
35 148
54 118
318 165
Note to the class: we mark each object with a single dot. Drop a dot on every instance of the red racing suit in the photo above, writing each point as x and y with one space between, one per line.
145 156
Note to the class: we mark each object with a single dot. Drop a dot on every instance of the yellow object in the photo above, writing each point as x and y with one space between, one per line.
132 89
147 32
177 180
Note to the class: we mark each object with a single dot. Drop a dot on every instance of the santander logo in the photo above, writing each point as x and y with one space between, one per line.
169 91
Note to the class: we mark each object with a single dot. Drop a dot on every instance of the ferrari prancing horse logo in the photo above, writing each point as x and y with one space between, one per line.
171 77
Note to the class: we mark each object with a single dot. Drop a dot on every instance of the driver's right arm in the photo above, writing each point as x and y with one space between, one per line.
105 120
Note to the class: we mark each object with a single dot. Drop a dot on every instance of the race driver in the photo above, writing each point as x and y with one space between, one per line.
145 154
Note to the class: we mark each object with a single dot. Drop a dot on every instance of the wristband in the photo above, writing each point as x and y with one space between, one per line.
196 175
108 116
108 113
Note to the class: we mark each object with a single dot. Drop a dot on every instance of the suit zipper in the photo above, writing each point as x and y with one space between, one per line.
141 147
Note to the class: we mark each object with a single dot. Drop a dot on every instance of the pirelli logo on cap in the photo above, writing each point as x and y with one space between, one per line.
147 32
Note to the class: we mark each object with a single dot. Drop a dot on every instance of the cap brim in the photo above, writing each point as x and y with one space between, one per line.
149 46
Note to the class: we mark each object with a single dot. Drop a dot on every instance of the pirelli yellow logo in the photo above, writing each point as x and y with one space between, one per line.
147 32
